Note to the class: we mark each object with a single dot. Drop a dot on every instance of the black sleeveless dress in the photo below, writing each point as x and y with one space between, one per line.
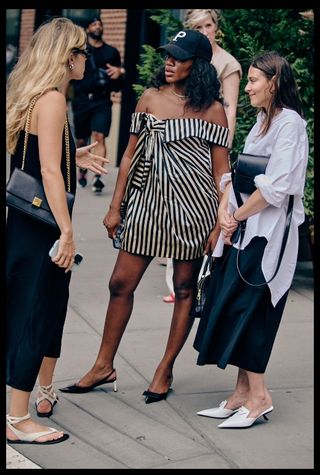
37 290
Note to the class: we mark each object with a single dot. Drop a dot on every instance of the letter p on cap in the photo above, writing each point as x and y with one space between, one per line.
181 34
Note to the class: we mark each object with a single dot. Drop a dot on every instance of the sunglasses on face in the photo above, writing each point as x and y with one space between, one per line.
85 52
167 56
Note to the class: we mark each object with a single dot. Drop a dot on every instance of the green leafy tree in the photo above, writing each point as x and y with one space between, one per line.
246 33
150 60
290 32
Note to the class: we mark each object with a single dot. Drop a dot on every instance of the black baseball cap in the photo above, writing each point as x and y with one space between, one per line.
188 44
93 20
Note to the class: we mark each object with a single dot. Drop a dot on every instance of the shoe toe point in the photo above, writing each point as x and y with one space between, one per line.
203 413
67 389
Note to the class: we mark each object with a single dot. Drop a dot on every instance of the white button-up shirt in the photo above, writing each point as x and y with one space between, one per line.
287 144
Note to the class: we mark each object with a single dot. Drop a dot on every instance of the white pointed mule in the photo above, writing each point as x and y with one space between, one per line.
218 412
240 419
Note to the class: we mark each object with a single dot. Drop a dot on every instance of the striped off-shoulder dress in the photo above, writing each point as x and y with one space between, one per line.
170 204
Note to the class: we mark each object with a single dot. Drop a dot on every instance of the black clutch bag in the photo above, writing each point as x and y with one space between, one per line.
246 168
26 194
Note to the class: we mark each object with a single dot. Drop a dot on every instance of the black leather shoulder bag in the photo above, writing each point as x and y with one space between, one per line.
247 167
25 193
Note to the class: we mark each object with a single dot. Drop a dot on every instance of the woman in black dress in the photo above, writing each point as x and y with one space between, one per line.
38 286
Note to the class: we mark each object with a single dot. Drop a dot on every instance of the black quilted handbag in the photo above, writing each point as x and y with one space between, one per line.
26 194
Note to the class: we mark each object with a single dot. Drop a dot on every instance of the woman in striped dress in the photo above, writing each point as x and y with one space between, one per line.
168 188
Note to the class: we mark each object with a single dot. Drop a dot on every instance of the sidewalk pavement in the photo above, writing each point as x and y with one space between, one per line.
117 430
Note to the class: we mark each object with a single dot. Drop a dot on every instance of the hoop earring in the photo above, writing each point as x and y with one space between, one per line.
219 36
71 66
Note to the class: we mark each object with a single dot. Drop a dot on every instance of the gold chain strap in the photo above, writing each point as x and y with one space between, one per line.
66 135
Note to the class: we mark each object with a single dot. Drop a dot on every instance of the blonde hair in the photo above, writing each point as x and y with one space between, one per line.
194 16
42 66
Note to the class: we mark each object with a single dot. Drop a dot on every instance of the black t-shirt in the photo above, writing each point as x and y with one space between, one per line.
102 55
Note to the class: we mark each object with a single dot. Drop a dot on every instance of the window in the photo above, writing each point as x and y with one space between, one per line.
12 27
12 39
81 16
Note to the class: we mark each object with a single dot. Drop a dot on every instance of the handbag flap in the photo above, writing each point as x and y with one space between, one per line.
27 187
251 165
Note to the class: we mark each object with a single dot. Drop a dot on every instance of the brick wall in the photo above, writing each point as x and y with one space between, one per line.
114 32
26 27
114 22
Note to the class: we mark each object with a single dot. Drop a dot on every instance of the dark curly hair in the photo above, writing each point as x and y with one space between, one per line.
202 86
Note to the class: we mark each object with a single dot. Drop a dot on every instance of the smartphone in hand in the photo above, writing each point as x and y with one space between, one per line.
77 258
54 250
117 239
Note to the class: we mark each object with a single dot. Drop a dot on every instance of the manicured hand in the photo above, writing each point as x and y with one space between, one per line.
86 159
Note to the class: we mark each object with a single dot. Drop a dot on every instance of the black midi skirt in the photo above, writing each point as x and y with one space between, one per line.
240 323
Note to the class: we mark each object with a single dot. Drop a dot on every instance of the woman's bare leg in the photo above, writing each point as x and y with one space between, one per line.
45 379
185 275
259 397
125 278
240 394
19 406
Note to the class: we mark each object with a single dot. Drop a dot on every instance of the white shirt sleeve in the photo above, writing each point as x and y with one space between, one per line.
285 172
225 179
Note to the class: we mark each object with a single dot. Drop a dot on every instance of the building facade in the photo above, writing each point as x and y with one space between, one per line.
125 29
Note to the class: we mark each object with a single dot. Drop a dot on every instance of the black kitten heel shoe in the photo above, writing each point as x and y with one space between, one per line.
151 397
75 389
154 397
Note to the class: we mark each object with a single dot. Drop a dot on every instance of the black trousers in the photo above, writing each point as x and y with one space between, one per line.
37 293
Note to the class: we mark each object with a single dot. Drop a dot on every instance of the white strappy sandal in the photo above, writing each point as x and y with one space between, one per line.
46 393
30 437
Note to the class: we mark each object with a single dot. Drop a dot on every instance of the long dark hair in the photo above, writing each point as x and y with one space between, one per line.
202 86
285 88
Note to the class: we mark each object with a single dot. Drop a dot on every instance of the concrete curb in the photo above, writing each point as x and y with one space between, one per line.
17 460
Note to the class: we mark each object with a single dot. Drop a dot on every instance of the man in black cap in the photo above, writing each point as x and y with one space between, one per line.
91 103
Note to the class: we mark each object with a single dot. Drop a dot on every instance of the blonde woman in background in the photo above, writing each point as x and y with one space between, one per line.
37 288
228 68
229 73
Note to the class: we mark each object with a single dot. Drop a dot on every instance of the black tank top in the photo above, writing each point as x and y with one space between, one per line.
32 161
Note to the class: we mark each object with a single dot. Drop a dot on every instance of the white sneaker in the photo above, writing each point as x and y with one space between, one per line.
97 185
218 412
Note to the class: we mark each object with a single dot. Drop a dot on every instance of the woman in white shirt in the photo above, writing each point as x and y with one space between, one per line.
241 321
